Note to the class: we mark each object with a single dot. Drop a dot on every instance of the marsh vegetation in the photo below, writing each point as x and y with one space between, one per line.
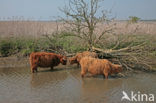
129 43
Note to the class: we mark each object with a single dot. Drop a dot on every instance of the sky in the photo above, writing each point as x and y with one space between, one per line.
49 9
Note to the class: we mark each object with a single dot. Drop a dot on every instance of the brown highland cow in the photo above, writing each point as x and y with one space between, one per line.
44 59
79 56
98 66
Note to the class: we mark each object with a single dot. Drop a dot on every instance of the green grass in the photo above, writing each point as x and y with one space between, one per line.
70 44
11 46
66 42
24 46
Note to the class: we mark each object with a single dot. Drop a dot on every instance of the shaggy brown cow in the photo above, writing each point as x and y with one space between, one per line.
44 59
79 56
98 66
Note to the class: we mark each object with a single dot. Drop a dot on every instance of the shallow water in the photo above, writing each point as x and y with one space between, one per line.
65 85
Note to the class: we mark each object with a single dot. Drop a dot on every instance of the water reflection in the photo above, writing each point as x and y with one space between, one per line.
48 77
65 85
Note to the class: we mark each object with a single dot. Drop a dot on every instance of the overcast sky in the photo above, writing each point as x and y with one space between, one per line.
44 9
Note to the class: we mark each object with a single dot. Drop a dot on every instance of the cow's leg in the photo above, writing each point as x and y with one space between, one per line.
31 69
34 69
105 73
83 72
33 63
51 68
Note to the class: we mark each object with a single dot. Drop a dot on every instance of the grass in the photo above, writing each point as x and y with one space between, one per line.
24 37
11 46
25 45
61 43
70 44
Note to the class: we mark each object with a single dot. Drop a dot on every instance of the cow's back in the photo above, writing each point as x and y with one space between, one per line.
86 54
89 54
94 65
43 59
90 63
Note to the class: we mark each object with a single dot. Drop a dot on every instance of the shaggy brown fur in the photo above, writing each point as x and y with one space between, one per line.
44 59
79 56
98 66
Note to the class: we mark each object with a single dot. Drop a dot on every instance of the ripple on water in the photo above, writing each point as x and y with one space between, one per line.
18 85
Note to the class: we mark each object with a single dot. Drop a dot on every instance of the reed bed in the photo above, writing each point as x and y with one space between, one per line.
38 28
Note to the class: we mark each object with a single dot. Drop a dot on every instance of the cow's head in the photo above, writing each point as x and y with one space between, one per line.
73 60
118 68
63 60
76 58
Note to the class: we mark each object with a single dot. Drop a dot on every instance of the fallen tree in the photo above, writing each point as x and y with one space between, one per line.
130 57
83 18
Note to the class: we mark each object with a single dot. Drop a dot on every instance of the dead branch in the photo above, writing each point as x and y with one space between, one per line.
110 51
82 19
129 57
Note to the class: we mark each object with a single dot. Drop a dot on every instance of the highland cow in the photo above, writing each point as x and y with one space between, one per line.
44 59
76 59
98 66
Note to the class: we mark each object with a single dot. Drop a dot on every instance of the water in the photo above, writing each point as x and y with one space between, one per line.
65 85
